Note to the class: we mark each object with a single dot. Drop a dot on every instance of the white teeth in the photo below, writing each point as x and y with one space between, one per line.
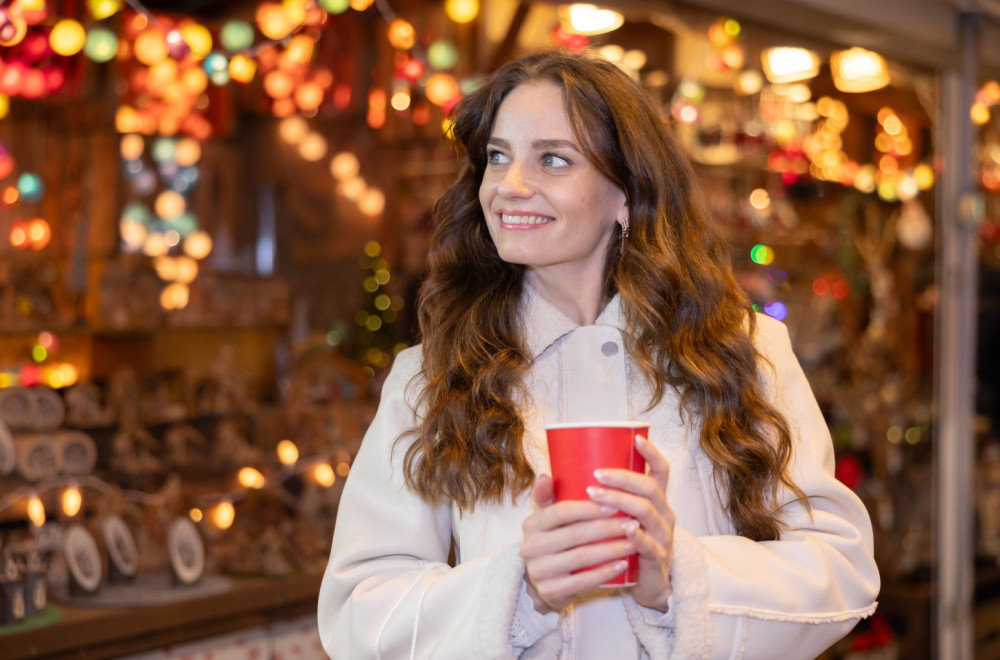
524 219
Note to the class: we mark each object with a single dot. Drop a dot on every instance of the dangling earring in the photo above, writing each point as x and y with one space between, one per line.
624 223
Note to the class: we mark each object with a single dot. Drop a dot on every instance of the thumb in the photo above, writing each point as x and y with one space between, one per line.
543 491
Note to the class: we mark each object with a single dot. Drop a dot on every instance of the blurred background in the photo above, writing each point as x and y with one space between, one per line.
213 223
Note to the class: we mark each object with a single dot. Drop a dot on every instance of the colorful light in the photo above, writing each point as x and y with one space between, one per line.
30 186
67 37
101 9
762 254
242 69
198 38
587 19
345 166
236 35
198 245
442 55
776 310
101 44
174 296
150 47
401 34
335 6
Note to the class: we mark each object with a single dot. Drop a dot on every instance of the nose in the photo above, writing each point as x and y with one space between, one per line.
514 183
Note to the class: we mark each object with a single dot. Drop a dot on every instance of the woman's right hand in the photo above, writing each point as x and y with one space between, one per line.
556 538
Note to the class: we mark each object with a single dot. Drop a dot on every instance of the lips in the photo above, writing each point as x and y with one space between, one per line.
525 219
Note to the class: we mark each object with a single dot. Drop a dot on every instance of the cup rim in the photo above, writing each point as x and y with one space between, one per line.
599 424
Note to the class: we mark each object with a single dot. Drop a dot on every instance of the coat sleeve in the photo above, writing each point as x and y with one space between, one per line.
388 591
790 598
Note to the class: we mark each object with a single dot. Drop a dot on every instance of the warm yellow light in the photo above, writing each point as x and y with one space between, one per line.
784 64
196 515
198 245
170 204
587 19
150 47
313 147
323 474
309 96
67 37
759 199
198 38
353 189
155 245
401 34
288 453
858 70
186 269
293 129
460 11
36 511
188 152
166 267
174 296
223 514
345 166
343 469
372 203
72 500
250 478
441 88
980 113
132 146
400 100
242 69
924 175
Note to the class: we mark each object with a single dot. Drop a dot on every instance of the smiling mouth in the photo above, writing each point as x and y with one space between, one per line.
525 220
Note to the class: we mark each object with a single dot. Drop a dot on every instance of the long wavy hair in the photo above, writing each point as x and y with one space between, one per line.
689 326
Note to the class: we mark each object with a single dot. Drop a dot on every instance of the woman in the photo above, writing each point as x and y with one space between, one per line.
574 276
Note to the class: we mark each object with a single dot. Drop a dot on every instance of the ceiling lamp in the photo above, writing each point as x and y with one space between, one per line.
588 19
858 70
785 64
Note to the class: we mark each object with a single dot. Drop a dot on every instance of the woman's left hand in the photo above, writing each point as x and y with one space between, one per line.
644 498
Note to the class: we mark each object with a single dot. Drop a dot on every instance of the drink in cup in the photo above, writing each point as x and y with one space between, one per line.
577 449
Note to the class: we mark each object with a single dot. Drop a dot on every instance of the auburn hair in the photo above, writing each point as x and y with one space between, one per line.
689 325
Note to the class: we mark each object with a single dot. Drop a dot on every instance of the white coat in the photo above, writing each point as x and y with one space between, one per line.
389 593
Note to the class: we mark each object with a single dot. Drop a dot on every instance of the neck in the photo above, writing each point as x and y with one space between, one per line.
581 301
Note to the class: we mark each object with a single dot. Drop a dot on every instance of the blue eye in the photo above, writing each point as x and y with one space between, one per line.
555 161
494 157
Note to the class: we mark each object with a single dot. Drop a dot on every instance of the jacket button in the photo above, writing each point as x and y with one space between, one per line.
609 348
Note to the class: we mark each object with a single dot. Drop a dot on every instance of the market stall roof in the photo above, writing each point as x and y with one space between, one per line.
923 33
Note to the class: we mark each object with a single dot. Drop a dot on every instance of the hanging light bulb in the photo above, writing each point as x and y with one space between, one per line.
288 453
588 20
858 70
36 511
223 514
785 64
72 500
323 474
250 478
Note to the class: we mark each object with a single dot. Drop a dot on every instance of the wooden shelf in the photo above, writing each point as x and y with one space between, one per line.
92 634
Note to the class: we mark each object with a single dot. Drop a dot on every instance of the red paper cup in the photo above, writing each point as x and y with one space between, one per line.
577 449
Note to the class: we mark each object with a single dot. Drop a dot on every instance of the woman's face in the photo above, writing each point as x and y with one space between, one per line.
546 205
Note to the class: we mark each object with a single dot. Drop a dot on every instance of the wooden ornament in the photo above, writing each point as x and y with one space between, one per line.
83 561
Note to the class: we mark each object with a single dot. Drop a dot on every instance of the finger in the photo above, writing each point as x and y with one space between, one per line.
543 492
560 565
651 512
564 513
645 544
561 591
659 468
571 536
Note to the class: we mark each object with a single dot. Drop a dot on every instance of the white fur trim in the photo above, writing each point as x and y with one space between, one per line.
691 636
815 617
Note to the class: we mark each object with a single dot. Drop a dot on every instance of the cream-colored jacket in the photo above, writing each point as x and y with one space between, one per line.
389 593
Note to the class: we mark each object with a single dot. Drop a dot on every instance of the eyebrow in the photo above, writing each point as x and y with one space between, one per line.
540 144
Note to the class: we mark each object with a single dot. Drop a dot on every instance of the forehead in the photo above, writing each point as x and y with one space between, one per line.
535 107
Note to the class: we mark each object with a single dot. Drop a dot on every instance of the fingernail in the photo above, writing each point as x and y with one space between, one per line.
608 510
640 440
629 526
629 548
600 475
621 565
594 491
